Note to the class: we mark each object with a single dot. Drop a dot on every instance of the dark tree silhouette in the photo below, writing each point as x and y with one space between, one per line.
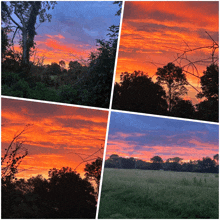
120 5
128 163
62 64
27 13
209 108
93 171
4 42
210 83
71 196
171 164
54 69
207 164
175 80
184 109
156 159
137 92
216 157
12 157
174 160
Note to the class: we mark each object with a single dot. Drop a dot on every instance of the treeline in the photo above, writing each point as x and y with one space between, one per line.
63 195
206 165
138 92
76 84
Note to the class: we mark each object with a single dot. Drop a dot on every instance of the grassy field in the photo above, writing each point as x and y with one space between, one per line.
158 194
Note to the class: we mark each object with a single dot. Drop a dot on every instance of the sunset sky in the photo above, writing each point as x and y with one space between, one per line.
58 133
155 31
74 28
144 137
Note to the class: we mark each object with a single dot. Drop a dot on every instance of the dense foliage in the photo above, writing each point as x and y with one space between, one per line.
64 195
137 92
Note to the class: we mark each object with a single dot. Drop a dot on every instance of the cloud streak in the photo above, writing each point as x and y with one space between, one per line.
145 137
153 33
58 131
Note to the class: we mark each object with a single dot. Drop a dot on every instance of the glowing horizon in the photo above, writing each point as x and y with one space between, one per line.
144 137
71 35
59 135
155 32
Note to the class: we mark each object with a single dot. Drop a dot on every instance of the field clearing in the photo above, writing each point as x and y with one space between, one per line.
158 194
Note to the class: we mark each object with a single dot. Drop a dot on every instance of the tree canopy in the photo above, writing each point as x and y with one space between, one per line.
175 80
137 92
93 171
210 83
156 159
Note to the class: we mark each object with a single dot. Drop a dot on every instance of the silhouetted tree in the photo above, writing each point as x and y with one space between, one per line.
12 157
120 5
27 13
71 196
116 160
216 157
101 70
75 69
184 109
93 171
62 64
54 69
5 44
209 108
175 80
137 92
156 159
174 160
128 163
210 83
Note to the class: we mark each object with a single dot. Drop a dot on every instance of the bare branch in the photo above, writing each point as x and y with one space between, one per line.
212 39
9 15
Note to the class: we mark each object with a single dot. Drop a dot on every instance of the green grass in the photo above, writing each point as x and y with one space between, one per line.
158 194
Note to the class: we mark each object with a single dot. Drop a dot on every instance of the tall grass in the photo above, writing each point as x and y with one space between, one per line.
158 194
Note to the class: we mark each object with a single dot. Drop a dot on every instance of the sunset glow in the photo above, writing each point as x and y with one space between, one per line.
155 33
73 30
144 137
58 136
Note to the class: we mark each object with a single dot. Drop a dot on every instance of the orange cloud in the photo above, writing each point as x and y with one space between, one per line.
62 136
155 33
55 36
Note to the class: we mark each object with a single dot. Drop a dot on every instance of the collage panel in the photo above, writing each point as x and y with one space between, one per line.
61 51
51 160
160 168
168 61
110 109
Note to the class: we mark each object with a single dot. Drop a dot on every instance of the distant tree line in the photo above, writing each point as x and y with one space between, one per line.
137 92
206 165
74 83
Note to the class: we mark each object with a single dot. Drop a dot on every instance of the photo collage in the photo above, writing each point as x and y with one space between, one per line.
110 109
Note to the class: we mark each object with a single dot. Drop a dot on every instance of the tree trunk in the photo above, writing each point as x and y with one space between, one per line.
25 55
169 98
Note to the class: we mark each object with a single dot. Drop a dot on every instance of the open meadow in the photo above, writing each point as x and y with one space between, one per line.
147 194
